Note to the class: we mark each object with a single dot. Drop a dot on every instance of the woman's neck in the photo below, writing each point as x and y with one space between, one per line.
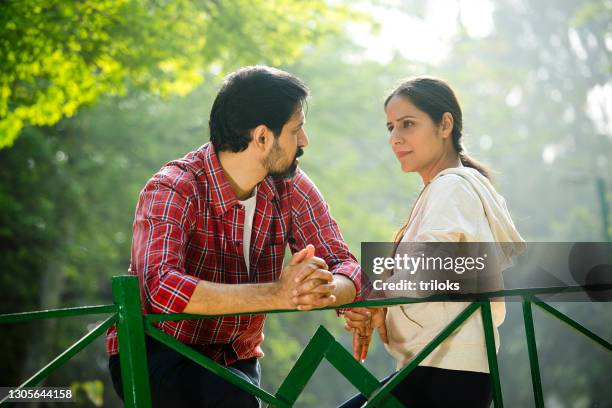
446 161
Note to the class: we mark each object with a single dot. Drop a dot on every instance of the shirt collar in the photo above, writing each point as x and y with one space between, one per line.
223 197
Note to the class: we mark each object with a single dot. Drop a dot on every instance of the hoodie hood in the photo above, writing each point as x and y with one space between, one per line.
504 230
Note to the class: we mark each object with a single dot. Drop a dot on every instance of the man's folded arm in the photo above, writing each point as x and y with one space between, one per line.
164 218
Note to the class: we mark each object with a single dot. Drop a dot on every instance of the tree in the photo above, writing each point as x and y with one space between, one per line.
56 56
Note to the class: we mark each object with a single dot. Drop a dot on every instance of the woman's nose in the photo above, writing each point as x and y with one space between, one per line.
394 137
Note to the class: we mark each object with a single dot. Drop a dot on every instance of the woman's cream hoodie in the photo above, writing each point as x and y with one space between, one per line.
458 205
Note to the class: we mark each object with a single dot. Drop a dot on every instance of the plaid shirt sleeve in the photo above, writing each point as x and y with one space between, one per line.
164 216
313 224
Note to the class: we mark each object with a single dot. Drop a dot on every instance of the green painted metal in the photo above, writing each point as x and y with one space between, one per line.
573 324
378 396
48 314
487 321
323 345
532 349
357 374
132 352
68 354
214 367
305 366
480 296
154 318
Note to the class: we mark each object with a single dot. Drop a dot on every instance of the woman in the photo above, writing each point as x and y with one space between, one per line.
457 204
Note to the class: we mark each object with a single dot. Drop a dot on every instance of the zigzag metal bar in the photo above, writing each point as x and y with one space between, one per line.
356 373
68 353
532 350
212 366
323 345
400 375
487 322
305 366
572 323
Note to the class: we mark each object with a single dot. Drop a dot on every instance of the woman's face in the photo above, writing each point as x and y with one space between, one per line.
414 138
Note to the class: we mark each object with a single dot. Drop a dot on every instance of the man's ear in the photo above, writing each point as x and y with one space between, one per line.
447 124
262 137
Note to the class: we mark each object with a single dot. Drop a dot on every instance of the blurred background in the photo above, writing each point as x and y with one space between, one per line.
95 96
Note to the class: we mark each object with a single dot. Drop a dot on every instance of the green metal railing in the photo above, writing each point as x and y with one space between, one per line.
126 313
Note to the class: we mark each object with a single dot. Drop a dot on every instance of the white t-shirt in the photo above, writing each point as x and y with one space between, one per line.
249 212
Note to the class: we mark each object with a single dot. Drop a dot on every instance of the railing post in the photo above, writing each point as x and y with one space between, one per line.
132 351
533 354
487 320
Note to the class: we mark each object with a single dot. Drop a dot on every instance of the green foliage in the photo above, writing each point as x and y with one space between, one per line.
56 56
88 390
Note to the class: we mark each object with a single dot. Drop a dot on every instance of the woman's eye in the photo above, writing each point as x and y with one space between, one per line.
407 123
390 128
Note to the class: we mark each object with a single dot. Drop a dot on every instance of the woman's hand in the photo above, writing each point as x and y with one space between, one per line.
362 321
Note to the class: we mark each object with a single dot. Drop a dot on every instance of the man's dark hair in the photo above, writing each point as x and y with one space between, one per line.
250 97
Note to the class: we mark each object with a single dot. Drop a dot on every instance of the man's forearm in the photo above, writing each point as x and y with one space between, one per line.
345 291
210 298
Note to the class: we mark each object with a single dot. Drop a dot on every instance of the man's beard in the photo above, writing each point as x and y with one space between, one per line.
276 155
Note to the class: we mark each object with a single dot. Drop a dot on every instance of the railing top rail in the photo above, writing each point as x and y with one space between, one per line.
54 313
112 308
524 292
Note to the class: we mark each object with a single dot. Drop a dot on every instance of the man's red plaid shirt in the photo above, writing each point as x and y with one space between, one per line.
188 227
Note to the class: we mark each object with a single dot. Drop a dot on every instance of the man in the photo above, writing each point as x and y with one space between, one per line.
210 232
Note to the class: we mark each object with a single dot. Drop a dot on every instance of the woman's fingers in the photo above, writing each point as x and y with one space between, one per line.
359 314
382 332
362 321
365 345
358 318
356 347
361 343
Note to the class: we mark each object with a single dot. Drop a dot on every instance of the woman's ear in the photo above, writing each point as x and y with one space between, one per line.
447 124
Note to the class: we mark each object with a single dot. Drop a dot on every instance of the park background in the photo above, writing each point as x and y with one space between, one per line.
95 96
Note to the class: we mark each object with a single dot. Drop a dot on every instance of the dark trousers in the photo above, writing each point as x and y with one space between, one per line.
436 387
176 381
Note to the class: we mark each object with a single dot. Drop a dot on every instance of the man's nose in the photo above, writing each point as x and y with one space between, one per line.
302 138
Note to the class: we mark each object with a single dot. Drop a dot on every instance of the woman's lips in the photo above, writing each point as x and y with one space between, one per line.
402 154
